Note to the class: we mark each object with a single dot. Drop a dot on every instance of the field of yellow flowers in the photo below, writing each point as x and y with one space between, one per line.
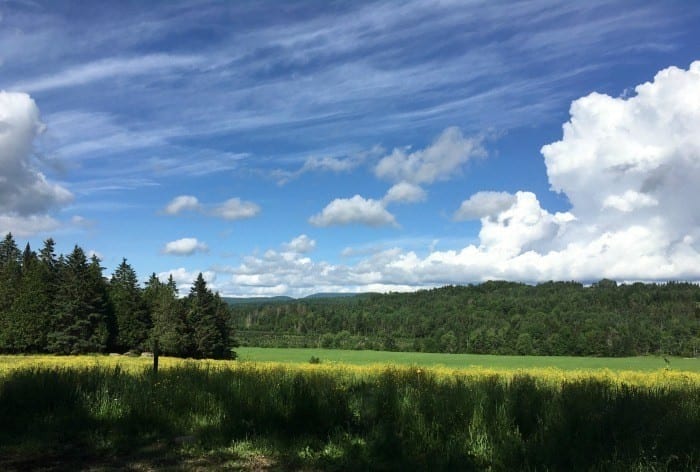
549 376
77 410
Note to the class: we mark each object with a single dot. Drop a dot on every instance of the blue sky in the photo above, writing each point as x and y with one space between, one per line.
297 147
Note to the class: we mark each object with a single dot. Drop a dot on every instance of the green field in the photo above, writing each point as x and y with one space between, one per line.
458 361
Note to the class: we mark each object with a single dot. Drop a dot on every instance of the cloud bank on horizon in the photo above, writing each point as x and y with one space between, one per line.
375 177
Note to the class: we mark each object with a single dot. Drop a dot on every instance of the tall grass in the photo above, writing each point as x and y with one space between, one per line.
337 418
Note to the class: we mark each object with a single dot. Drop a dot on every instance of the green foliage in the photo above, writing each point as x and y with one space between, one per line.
10 275
65 305
168 317
207 323
82 318
29 315
554 318
133 321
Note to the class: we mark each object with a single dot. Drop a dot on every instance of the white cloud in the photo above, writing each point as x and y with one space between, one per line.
27 225
404 192
23 190
522 226
94 253
182 203
355 210
439 161
629 166
336 164
79 221
483 204
628 201
231 209
628 162
236 209
329 163
105 69
184 278
26 195
301 244
184 247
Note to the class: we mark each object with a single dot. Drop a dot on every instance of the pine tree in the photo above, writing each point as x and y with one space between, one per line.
10 277
168 315
81 321
133 321
102 322
30 310
206 317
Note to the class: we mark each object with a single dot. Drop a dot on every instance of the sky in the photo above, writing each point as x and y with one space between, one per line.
290 148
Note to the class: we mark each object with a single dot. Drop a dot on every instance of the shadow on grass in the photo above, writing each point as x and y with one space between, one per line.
280 419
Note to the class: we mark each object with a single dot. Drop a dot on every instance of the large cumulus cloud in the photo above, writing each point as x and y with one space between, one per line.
26 195
629 167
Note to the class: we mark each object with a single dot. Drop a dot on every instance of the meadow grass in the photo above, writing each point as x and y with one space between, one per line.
112 413
465 361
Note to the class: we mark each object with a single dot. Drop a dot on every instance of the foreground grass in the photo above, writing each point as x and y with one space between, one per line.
106 413
466 361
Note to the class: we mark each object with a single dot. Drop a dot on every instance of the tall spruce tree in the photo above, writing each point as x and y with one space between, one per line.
10 277
169 317
206 317
81 321
102 316
133 321
30 310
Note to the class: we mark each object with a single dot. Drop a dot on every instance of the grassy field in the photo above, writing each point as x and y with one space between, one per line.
112 413
465 361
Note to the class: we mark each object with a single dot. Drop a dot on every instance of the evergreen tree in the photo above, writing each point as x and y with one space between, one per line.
80 323
169 318
133 321
206 318
102 315
30 310
10 275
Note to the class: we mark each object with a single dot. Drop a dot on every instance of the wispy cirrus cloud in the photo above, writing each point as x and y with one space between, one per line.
329 163
319 73
102 69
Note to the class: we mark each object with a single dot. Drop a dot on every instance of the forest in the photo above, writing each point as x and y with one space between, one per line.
65 305
553 318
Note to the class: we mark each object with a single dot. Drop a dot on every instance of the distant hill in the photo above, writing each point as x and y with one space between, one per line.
331 295
285 299
245 300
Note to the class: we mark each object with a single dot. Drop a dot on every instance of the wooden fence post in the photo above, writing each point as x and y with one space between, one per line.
155 355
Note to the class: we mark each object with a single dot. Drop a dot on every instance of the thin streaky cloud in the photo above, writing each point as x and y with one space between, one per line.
106 68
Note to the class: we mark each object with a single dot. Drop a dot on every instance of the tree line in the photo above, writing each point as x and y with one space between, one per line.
553 318
65 305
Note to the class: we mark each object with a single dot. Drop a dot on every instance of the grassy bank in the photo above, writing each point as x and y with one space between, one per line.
112 413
